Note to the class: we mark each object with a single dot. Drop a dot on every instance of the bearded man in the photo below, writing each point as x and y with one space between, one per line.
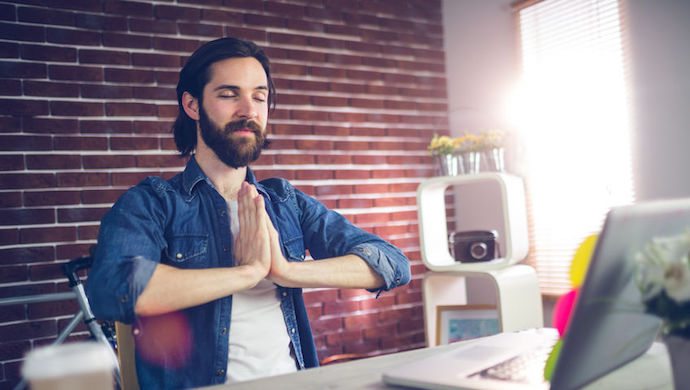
209 266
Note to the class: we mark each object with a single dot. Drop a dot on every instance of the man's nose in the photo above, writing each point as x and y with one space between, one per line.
247 108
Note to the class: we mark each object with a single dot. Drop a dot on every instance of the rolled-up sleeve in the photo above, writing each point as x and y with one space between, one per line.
329 234
130 242
387 261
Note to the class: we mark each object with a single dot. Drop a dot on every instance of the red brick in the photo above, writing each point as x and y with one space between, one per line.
80 143
50 125
105 126
340 307
130 109
18 32
106 91
26 180
23 107
52 309
50 198
72 251
127 40
131 179
360 321
48 88
156 60
167 111
81 214
101 22
326 325
73 37
176 12
108 161
11 163
227 17
109 57
51 234
9 236
167 78
48 53
76 108
77 73
15 349
329 295
9 50
128 143
11 199
28 330
128 8
155 93
148 26
314 175
344 337
82 179
129 75
87 232
334 159
100 196
53 162
175 44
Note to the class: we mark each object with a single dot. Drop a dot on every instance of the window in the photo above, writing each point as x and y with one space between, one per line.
572 119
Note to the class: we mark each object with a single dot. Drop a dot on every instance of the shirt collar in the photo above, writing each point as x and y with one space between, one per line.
193 174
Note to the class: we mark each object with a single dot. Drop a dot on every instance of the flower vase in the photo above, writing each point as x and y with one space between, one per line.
679 354
449 164
495 160
471 162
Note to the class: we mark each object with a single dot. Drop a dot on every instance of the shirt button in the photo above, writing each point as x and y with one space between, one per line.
220 372
285 293
136 331
292 330
178 256
222 331
124 298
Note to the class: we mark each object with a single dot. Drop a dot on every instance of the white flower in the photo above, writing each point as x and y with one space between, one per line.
665 264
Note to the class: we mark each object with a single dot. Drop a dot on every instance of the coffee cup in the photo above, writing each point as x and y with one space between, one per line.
79 365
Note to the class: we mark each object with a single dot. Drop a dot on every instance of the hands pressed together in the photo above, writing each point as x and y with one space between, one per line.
257 244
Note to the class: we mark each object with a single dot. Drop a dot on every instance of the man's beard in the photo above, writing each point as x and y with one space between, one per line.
234 151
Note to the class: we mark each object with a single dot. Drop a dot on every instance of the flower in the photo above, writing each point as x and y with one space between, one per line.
663 278
441 145
469 143
492 139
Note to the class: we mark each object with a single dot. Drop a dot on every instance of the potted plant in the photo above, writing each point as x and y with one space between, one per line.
663 278
443 149
469 146
493 148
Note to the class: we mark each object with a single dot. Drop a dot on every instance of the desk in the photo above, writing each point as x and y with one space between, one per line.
650 371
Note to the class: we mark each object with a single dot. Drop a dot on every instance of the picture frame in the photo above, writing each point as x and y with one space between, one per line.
464 322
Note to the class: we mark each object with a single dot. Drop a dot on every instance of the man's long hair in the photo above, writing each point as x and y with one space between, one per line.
196 74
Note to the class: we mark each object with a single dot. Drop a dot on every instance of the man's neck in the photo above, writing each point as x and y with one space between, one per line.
227 180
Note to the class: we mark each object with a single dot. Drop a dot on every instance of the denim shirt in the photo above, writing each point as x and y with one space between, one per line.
183 222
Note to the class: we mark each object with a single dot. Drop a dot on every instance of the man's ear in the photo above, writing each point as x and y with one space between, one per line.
190 105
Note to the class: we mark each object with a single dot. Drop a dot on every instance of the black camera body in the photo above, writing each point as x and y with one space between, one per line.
474 246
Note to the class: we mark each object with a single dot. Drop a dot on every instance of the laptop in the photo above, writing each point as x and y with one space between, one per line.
607 329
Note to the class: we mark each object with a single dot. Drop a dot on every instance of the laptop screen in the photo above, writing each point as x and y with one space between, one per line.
609 327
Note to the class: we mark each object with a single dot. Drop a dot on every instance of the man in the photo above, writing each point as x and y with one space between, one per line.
209 265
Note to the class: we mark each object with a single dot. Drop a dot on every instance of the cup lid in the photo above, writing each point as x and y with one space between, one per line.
67 359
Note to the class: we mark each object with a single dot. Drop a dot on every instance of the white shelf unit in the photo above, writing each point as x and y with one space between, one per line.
517 296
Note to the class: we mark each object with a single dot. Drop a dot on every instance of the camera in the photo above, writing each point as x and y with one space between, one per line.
473 246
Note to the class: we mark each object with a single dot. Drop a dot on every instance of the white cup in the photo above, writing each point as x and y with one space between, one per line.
79 365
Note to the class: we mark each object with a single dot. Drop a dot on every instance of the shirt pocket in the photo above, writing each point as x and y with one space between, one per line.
294 248
185 248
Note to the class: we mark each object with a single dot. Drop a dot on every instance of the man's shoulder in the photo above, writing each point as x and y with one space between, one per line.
152 187
277 188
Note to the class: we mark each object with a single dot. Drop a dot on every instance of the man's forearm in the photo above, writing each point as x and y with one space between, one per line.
347 271
171 289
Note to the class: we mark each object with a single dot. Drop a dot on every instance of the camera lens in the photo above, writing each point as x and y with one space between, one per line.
478 250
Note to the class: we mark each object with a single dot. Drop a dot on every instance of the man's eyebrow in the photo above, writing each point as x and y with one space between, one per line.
235 88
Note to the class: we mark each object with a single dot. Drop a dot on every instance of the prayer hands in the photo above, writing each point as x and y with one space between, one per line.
258 242
252 244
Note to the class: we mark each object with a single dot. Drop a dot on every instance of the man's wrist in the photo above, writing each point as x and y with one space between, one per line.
253 273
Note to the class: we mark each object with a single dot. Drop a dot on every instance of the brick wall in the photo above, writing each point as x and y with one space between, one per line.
86 103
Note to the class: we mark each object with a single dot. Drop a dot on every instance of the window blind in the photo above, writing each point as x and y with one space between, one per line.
572 118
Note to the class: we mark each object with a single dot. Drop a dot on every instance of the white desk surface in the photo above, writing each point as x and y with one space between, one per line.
649 371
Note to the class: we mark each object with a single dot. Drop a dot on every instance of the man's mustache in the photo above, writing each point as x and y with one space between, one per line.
243 124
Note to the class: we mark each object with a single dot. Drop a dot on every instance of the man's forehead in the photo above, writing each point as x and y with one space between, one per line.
244 72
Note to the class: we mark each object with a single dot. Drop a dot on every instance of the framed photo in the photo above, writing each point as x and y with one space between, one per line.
464 322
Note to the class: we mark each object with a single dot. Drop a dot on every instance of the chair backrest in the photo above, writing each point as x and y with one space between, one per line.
125 355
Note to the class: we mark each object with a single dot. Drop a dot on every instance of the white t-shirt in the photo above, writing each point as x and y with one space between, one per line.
258 338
